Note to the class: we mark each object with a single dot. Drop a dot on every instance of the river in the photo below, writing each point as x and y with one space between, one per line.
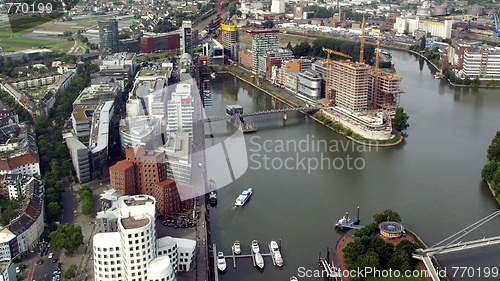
433 179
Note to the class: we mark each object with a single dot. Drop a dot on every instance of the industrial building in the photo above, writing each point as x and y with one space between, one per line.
263 40
406 25
482 63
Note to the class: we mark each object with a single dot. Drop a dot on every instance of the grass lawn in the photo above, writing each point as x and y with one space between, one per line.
62 46
20 43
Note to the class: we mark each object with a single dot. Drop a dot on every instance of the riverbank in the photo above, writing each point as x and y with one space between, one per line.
290 100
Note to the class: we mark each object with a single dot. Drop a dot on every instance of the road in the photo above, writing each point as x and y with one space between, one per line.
78 48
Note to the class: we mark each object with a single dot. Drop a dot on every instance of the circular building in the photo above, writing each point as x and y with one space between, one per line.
391 229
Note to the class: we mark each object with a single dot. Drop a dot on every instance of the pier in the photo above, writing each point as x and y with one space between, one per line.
345 222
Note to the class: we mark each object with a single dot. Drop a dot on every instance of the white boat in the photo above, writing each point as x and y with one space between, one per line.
278 259
213 75
255 247
259 260
275 251
293 278
243 197
237 247
221 261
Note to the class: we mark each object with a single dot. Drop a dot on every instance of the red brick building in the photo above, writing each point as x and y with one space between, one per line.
152 42
245 59
145 172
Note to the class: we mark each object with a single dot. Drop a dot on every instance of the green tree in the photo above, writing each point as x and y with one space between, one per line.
231 8
489 170
54 210
494 148
268 24
401 120
66 167
68 237
422 43
96 175
70 272
387 215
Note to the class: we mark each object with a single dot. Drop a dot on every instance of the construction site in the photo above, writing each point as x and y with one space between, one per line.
361 97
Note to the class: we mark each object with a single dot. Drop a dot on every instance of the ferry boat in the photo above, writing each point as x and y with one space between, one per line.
345 221
221 261
259 260
275 251
236 247
255 247
243 198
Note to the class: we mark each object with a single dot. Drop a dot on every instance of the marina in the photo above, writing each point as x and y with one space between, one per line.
255 254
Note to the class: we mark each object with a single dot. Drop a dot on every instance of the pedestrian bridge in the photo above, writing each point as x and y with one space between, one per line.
257 113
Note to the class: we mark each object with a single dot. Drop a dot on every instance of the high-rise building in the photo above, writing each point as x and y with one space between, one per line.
351 84
278 6
263 40
108 36
187 37
180 110
229 37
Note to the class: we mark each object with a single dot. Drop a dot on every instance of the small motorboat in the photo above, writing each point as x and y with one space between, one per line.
236 247
221 261
255 247
259 260
293 278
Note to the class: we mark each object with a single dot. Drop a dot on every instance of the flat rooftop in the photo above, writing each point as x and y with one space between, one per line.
83 112
135 222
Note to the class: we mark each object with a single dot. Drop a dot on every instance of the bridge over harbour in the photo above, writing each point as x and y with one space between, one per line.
425 255
257 113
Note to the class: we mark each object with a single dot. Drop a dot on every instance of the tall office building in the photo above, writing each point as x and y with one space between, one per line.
229 37
351 83
263 40
108 36
187 37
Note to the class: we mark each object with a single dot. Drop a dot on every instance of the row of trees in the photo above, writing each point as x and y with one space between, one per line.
86 199
316 49
491 170
369 250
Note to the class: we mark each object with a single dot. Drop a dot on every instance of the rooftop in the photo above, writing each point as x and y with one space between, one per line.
83 113
135 222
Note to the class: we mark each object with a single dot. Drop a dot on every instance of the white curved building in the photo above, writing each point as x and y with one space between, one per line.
107 256
159 268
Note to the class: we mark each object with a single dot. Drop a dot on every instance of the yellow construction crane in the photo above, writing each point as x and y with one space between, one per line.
376 74
362 43
328 66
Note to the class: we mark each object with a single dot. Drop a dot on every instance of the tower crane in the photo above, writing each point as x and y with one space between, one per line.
328 67
376 74
362 43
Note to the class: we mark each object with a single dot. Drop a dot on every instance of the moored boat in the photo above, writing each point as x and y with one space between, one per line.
275 251
237 247
259 260
243 197
255 247
221 261
293 278
213 197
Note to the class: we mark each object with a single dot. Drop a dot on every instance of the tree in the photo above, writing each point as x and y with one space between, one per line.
387 215
422 43
401 120
289 46
96 175
68 237
54 210
70 272
489 170
268 24
494 148
231 8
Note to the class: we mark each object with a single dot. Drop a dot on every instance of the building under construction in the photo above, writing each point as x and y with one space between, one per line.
356 85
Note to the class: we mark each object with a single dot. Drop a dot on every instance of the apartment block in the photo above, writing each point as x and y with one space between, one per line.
263 40
350 83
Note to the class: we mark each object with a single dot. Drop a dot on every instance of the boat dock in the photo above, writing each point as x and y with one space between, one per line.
329 268
349 223
234 256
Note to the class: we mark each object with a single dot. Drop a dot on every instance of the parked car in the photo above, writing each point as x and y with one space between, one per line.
51 255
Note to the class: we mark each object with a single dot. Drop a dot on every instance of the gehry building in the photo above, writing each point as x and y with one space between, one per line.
131 252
